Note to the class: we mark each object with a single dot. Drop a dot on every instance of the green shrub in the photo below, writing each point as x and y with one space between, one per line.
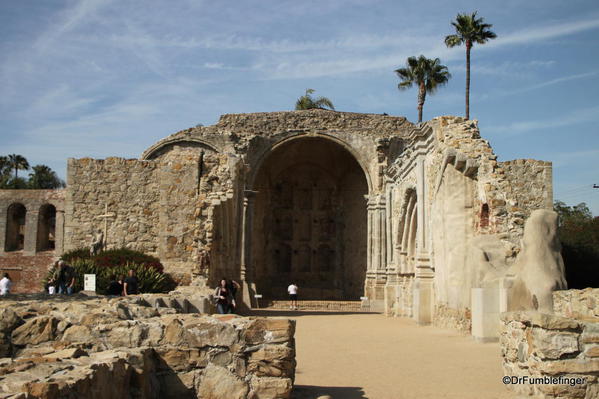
114 257
150 279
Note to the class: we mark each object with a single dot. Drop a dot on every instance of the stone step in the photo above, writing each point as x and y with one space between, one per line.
339 306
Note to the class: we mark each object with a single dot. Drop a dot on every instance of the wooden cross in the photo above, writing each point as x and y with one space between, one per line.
105 216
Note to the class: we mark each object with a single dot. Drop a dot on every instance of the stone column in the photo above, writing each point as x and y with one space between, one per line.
423 287
59 233
31 224
246 270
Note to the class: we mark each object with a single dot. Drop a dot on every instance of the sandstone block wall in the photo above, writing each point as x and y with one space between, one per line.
548 356
75 346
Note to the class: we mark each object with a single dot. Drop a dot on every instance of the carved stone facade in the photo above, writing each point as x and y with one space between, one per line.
345 205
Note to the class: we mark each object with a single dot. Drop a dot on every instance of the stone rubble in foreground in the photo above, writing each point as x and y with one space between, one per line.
140 347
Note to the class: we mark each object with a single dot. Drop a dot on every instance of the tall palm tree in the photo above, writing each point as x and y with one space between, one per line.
17 162
469 30
308 102
428 74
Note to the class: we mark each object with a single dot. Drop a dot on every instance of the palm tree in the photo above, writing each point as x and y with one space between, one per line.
42 177
428 74
469 30
308 102
17 162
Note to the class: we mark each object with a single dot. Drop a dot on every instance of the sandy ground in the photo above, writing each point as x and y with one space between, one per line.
357 356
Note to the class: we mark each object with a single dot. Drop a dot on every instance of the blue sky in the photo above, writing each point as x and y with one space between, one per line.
109 78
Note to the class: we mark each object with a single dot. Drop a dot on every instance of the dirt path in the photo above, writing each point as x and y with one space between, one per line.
358 356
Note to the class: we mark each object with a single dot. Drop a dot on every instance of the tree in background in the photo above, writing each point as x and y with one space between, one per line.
42 177
426 73
17 162
4 171
579 236
469 30
308 102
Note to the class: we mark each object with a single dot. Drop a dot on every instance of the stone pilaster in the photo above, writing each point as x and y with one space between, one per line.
424 274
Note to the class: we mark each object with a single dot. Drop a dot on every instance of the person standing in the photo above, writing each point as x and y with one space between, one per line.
292 290
66 278
131 284
5 285
223 297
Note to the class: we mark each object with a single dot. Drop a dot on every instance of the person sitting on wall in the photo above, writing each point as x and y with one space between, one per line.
115 287
5 285
131 284
65 278
223 297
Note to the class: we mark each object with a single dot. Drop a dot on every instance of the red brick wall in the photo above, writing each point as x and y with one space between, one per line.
26 272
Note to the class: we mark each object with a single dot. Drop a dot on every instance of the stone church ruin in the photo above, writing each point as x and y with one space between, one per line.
407 217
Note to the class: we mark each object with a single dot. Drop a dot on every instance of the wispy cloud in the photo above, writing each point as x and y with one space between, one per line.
584 115
540 33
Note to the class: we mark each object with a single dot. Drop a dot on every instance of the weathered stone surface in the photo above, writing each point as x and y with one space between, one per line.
218 383
139 354
270 388
554 344
543 320
35 331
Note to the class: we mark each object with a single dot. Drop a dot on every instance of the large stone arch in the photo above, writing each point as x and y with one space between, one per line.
358 156
309 200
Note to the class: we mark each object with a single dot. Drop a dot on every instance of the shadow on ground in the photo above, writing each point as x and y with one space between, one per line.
313 392
298 313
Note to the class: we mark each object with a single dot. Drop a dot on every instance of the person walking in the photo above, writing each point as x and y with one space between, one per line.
233 287
5 285
292 290
223 297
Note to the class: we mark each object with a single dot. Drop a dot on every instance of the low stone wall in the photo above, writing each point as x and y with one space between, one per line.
576 303
456 319
548 356
121 347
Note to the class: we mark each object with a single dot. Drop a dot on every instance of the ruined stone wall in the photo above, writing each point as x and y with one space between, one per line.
576 303
104 348
28 266
548 347
531 184
130 191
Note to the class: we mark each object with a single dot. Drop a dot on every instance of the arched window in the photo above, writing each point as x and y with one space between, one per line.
15 228
46 228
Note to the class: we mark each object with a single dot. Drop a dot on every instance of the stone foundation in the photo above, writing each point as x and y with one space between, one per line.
122 347
562 353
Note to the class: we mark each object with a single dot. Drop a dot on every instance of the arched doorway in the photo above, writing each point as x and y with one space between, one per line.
310 221
15 227
46 228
